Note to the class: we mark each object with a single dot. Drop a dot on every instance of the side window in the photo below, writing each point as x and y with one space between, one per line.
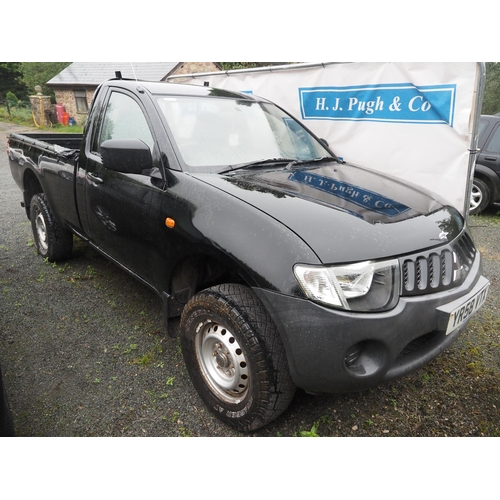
482 125
494 145
124 119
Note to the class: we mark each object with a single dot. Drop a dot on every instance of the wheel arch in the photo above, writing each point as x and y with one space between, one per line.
196 272
491 179
31 186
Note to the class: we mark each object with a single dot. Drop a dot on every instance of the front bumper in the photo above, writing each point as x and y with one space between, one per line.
331 350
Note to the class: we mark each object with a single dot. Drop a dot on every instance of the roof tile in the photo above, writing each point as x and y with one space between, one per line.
94 73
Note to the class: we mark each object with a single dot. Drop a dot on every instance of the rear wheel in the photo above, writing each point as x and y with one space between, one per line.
480 196
235 357
51 240
6 423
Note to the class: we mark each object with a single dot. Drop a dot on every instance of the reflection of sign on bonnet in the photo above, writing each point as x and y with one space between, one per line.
362 197
402 103
414 121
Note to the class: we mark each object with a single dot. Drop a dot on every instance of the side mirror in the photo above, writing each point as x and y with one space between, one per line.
129 156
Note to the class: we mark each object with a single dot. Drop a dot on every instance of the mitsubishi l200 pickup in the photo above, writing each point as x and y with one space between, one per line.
287 266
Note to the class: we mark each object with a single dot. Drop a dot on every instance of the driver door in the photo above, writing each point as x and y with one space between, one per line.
119 206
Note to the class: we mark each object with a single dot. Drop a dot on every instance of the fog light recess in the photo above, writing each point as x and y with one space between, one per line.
353 354
365 358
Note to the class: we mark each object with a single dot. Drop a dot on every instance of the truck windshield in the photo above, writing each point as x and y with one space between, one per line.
213 134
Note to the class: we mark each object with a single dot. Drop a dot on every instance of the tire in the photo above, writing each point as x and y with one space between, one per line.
51 240
6 423
235 357
480 196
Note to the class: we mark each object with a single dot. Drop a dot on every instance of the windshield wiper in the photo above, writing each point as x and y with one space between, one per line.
321 159
257 163
290 162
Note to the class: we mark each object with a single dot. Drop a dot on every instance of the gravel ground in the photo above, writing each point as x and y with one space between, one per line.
84 353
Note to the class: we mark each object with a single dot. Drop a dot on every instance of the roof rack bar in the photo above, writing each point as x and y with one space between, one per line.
261 69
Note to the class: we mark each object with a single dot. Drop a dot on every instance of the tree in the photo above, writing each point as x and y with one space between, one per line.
491 97
39 73
10 80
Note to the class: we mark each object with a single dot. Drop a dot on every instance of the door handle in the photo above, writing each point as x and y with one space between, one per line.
491 158
94 178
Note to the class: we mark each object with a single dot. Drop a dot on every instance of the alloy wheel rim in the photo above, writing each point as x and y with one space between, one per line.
475 198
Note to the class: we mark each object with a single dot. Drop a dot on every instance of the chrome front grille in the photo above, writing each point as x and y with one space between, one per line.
437 269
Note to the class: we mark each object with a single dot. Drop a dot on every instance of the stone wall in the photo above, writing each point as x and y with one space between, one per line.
42 109
67 99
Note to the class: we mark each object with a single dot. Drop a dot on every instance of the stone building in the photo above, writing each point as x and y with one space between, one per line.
74 87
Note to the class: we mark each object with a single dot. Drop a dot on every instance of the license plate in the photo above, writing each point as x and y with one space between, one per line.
463 312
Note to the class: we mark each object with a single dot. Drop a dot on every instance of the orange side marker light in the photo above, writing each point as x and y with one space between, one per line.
169 222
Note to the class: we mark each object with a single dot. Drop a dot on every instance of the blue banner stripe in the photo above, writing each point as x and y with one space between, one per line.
402 103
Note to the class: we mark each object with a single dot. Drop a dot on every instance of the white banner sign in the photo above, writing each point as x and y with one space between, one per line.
410 120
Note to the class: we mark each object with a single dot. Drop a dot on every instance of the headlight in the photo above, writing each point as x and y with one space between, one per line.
364 286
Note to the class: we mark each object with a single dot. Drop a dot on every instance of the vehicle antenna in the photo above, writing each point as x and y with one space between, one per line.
133 70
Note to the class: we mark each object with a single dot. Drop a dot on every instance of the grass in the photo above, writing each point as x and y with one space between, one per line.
489 216
19 116
23 116
310 433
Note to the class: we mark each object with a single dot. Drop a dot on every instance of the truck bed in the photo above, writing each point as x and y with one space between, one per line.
67 141
46 163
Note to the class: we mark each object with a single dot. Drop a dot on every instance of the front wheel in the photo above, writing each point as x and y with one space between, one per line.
51 240
235 357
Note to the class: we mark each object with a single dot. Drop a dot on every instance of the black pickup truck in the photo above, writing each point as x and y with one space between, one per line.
288 267
486 184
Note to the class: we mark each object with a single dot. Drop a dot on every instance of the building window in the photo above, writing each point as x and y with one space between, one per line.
81 101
